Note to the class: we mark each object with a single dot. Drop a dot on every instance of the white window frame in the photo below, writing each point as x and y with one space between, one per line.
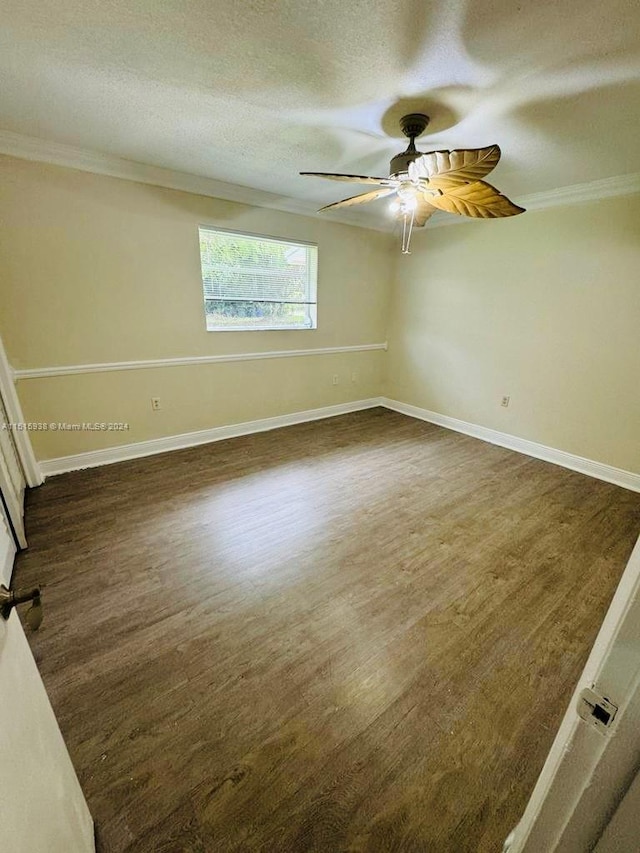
312 271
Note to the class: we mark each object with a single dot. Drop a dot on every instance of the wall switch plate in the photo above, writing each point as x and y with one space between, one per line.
335 379
505 401
155 404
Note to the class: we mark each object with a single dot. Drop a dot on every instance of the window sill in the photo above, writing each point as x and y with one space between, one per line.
261 328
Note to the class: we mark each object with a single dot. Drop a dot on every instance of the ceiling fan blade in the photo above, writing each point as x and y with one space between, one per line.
360 199
478 200
356 179
446 169
423 211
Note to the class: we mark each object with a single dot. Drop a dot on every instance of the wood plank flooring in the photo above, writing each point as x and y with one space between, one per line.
353 635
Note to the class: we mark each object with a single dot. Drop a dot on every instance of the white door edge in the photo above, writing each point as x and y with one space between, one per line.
587 772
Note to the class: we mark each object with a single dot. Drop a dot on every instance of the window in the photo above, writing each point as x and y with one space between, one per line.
253 283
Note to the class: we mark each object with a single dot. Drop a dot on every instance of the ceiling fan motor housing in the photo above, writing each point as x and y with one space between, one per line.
400 163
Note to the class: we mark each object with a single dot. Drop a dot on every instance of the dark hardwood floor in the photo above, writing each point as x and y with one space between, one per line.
354 635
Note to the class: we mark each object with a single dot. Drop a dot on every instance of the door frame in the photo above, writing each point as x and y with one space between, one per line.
7 549
588 770
26 456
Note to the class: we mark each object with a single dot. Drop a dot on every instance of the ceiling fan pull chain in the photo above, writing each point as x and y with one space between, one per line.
407 232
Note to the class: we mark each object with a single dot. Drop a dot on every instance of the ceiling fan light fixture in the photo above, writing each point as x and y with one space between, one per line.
408 199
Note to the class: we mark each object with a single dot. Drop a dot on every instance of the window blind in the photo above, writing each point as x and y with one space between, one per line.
257 282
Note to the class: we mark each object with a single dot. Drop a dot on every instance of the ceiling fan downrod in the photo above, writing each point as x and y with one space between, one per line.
412 125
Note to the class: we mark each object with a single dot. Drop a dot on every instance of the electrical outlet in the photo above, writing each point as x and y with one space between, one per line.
155 404
505 401
335 379
354 376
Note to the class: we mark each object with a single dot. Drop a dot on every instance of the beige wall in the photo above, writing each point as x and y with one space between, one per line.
97 269
545 308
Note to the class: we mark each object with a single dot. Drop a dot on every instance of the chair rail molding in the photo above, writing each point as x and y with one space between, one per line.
144 364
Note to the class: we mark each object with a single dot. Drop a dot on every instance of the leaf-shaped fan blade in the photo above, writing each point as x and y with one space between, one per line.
479 200
360 199
424 211
445 169
355 179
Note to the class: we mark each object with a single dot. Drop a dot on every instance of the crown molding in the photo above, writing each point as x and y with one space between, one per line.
59 154
85 160
618 185
590 191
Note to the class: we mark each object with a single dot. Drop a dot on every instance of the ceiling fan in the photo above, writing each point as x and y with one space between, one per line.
438 180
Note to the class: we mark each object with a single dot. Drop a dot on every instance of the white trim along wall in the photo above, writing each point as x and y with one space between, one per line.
45 151
598 470
7 550
608 473
107 367
30 467
191 439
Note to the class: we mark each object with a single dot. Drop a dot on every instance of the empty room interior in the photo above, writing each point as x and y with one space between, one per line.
319 516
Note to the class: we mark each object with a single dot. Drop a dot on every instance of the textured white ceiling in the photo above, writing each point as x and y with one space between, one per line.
251 92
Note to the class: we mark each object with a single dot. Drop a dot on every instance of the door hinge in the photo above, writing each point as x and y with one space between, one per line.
596 710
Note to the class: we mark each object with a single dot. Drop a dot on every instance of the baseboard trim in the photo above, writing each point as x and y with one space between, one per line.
123 452
617 476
